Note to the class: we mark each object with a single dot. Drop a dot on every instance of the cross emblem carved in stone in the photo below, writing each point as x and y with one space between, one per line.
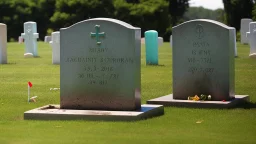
98 34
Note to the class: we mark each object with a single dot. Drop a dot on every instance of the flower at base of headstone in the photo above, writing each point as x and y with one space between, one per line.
203 97
196 98
209 97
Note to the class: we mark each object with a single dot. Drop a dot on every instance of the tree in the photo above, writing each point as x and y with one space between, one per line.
177 8
236 10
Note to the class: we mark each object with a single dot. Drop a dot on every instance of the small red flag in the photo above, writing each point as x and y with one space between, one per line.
29 84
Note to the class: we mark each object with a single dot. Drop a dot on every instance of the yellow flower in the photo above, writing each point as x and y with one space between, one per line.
196 98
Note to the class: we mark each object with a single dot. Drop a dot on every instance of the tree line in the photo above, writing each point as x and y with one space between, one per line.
160 15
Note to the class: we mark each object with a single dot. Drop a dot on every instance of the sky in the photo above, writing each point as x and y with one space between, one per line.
209 4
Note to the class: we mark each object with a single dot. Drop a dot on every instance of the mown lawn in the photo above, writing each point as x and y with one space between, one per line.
178 125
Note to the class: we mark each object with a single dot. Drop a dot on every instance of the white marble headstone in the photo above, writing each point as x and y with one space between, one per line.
20 39
47 39
100 65
244 29
203 60
160 41
3 43
251 35
30 35
142 40
55 44
235 47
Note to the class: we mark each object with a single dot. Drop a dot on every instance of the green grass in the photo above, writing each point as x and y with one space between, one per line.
178 125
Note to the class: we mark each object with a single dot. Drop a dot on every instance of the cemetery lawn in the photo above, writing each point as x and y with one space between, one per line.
178 125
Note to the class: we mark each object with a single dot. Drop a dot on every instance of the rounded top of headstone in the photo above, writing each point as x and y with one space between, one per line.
151 31
56 32
2 24
107 20
246 19
205 20
30 22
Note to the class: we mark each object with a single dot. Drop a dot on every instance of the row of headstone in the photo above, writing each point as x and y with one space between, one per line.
100 64
159 39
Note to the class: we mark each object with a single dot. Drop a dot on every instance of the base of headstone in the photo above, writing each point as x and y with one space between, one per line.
169 101
53 112
253 55
28 55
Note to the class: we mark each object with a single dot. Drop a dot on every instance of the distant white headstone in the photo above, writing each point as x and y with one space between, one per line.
30 35
251 35
3 43
20 39
47 39
160 41
244 29
55 44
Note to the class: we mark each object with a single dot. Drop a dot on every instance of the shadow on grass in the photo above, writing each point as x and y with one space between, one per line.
10 63
159 65
247 105
37 57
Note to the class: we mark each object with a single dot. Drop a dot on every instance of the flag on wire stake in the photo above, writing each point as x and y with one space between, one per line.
29 86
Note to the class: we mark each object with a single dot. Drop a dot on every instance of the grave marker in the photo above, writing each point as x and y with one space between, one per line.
30 36
203 63
55 44
251 35
244 29
99 73
3 43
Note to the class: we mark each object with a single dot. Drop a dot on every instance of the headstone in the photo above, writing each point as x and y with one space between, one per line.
251 35
55 44
20 39
99 74
100 65
171 41
160 41
47 39
202 60
3 44
151 44
244 29
30 36
203 63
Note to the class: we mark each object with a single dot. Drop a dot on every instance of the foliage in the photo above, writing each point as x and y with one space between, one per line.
177 8
236 10
202 13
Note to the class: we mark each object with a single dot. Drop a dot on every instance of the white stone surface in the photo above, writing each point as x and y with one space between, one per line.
20 39
251 35
160 41
234 40
28 55
55 44
171 41
30 35
244 29
47 39
3 43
